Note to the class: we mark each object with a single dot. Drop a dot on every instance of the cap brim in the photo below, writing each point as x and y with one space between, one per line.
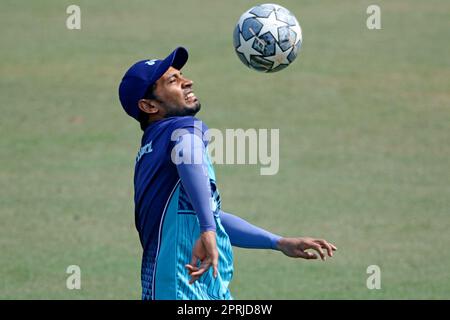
176 59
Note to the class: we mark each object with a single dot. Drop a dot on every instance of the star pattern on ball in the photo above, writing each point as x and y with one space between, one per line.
280 56
246 47
271 24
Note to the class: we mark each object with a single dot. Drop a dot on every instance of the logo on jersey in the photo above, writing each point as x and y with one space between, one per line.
143 150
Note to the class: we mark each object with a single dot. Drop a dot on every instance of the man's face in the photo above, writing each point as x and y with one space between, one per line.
174 94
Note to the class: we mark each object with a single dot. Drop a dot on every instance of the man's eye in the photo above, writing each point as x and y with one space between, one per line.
172 81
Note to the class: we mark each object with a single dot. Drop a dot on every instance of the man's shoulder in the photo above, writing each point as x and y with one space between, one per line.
174 127
173 123
187 122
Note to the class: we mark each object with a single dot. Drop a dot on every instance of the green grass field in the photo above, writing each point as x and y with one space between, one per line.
364 119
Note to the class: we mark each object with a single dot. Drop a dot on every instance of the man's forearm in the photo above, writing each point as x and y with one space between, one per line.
245 235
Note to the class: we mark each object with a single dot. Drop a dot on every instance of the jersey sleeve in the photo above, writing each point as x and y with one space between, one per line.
189 151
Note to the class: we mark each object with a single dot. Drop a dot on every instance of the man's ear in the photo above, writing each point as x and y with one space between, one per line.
148 106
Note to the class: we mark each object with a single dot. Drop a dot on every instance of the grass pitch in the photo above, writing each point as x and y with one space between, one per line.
364 119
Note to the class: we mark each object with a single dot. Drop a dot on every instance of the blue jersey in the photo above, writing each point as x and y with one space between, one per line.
167 223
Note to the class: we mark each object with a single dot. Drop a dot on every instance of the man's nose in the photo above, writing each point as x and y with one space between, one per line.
187 82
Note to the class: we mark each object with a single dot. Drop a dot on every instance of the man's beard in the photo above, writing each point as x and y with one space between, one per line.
183 112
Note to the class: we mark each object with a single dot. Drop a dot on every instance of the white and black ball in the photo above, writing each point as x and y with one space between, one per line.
267 38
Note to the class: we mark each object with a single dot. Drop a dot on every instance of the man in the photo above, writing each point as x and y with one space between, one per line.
186 237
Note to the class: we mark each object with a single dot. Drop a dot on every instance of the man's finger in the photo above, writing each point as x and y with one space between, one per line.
319 250
203 268
312 256
194 260
307 255
326 246
190 268
214 265
195 275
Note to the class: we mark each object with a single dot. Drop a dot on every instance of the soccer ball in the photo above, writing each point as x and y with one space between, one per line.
267 38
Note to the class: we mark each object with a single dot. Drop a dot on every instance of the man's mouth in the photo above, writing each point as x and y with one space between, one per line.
190 97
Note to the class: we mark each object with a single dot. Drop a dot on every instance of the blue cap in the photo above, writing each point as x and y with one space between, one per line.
144 74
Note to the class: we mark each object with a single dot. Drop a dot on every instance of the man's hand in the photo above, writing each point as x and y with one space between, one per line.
205 251
296 247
